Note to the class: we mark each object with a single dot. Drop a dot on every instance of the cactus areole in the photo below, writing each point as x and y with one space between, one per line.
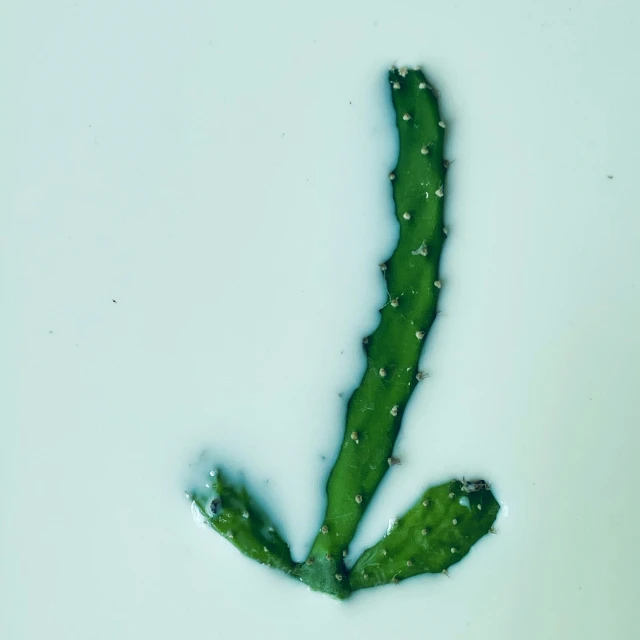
447 520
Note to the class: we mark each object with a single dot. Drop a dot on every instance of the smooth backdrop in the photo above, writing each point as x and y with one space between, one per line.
194 204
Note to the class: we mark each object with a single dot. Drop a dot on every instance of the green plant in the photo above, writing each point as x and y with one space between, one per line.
443 525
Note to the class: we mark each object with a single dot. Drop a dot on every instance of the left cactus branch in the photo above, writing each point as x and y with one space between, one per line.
235 515
448 519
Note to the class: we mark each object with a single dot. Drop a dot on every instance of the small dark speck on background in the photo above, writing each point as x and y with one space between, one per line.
610 177
112 300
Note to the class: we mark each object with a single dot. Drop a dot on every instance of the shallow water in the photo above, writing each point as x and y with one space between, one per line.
194 222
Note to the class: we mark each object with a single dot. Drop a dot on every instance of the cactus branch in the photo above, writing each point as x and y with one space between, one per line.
235 515
448 519
411 274
438 531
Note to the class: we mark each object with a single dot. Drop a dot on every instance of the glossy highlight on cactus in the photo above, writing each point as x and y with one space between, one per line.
443 525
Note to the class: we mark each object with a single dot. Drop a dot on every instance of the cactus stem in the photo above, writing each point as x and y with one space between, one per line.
375 409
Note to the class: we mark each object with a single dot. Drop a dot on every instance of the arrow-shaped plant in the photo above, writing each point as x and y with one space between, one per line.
447 520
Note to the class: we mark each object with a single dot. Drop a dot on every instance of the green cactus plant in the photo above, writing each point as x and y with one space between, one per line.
443 525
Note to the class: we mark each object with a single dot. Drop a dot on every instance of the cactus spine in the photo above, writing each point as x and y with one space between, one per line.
448 519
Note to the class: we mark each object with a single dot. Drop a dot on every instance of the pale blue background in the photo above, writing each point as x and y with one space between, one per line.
219 170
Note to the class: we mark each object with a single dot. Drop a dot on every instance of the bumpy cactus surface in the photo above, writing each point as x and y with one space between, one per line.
443 525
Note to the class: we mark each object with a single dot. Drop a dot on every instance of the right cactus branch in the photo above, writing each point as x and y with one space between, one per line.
448 519
438 531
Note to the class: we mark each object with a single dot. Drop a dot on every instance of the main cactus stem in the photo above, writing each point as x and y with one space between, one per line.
445 522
